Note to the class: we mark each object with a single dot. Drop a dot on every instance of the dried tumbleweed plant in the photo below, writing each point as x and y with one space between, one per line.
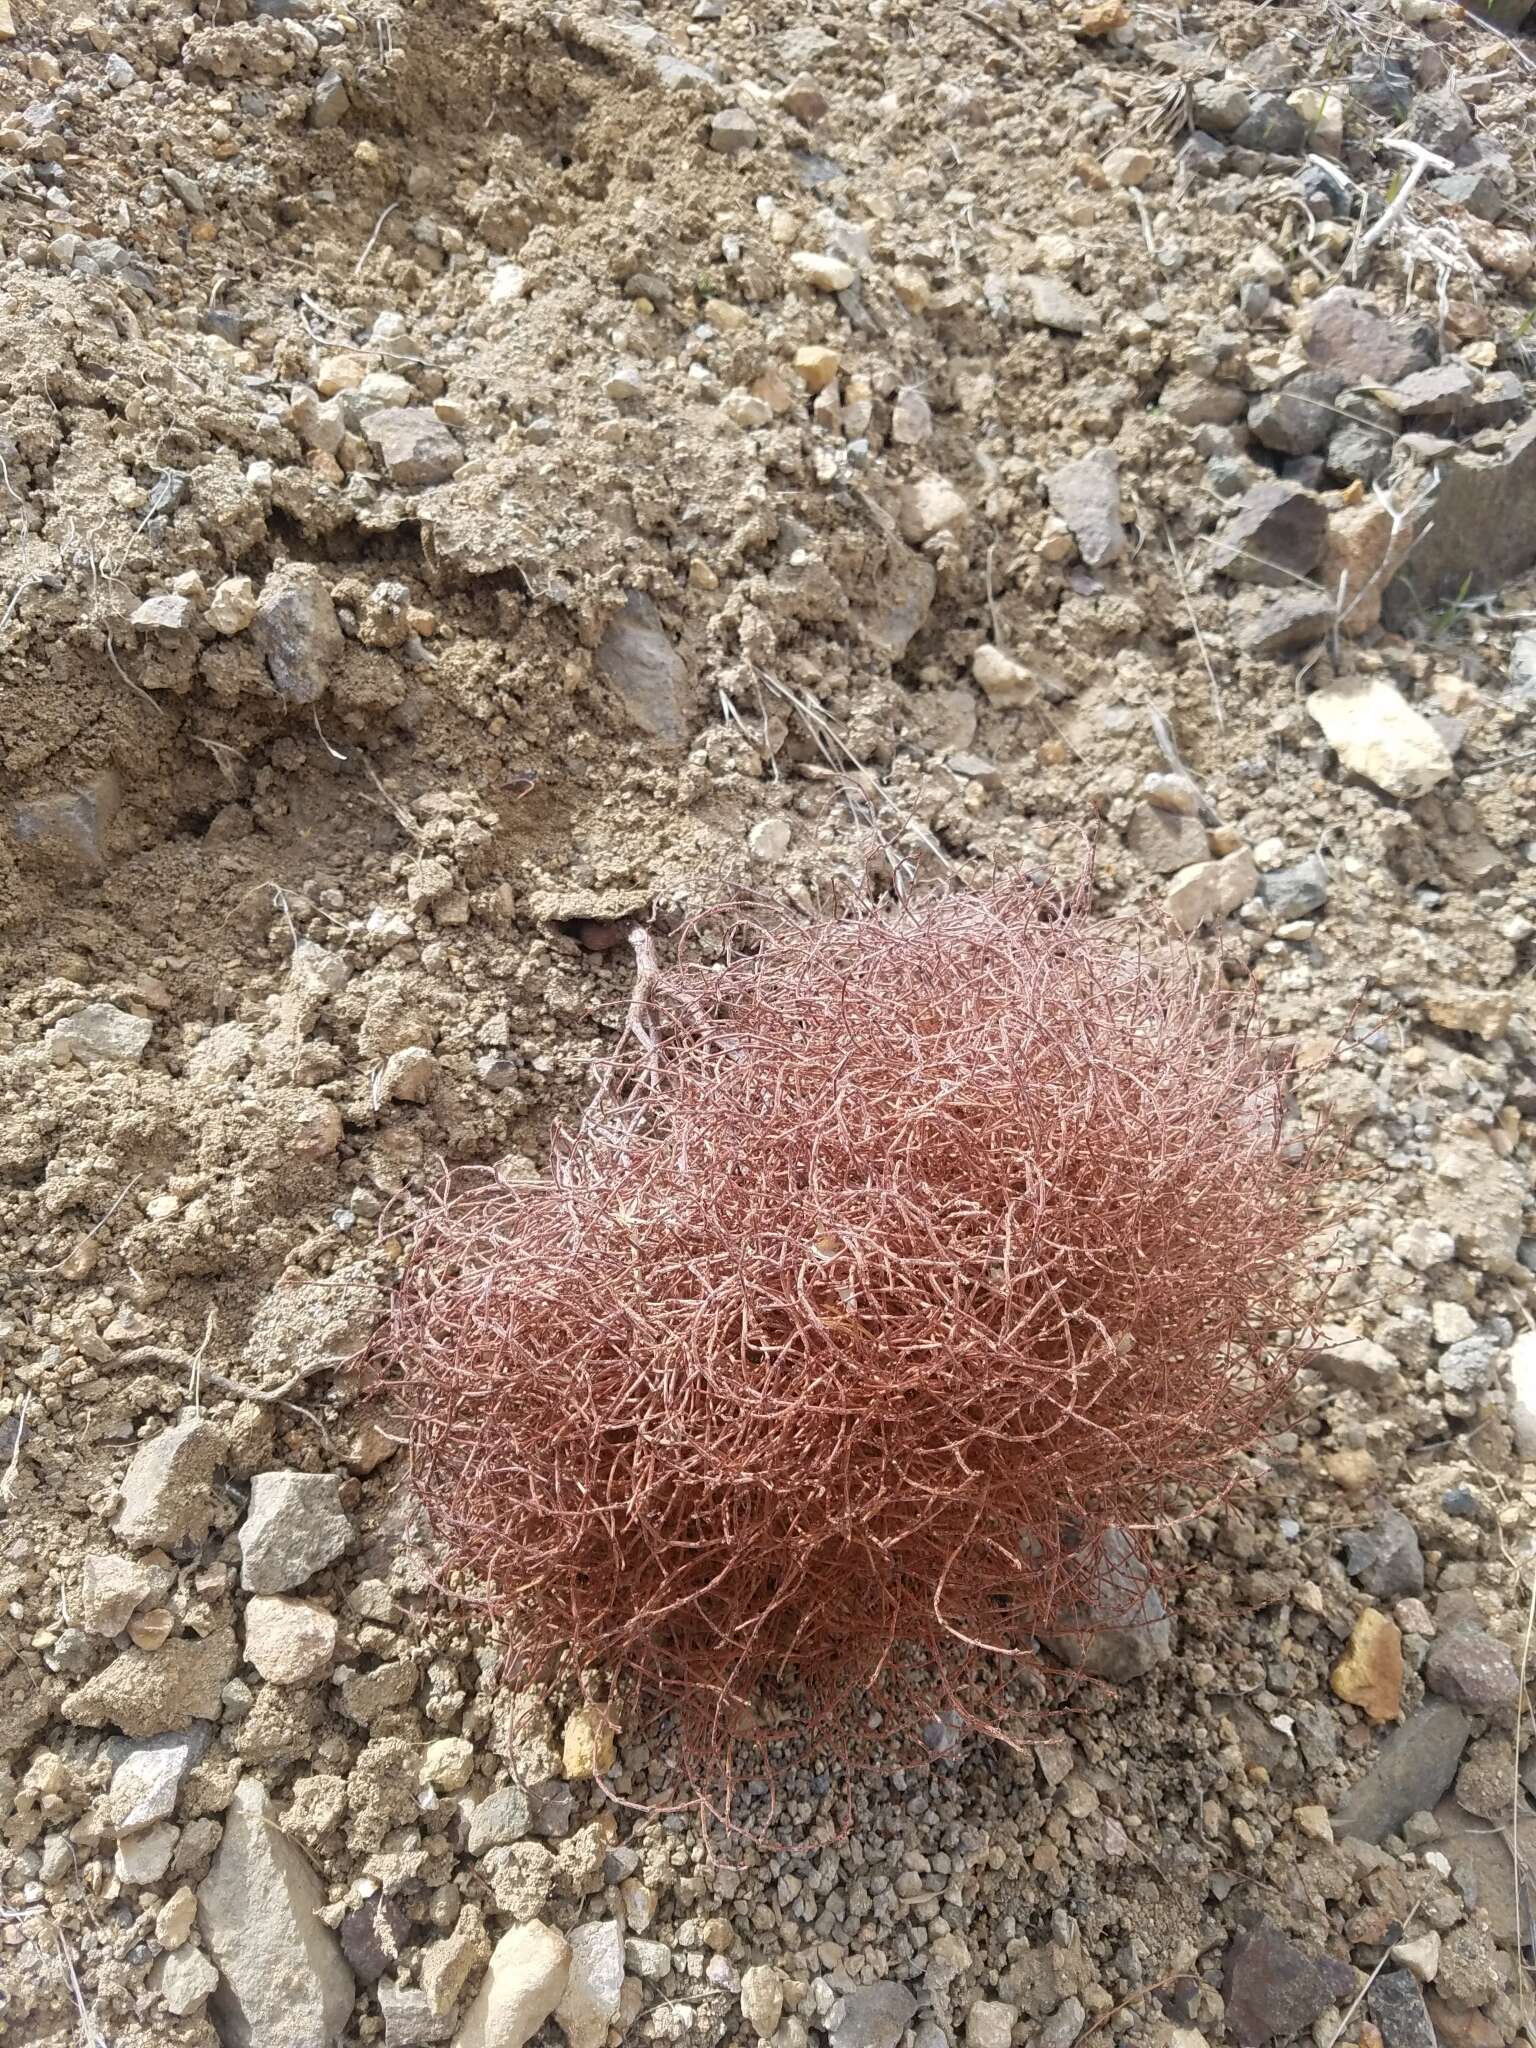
900 1258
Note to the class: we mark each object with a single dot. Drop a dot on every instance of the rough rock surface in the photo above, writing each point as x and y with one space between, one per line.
284 1982
294 1528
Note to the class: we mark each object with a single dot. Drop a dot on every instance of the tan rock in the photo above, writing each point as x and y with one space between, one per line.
588 1743
930 505
816 367
1377 733
1361 555
1212 889
1004 681
1370 1673
289 1641
1483 1012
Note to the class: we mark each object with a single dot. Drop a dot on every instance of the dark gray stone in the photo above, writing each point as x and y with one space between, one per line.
297 629
1441 121
1483 532
1473 1670
503 1817
1383 85
1296 891
1474 190
373 1936
1438 393
1122 1631
872 2016
1360 446
1287 624
1385 1559
1467 1367
68 829
1347 331
1275 1988
1413 1768
1497 401
1299 419
331 102
1229 475
1221 105
1273 126
1276 534
551 1809
645 671
1397 2006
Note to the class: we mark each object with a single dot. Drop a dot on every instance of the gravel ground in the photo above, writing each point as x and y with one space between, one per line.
476 475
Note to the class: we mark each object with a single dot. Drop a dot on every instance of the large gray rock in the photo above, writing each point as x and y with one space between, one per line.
102 1034
167 1491
1385 1558
295 1527
1347 332
1122 1631
1276 534
68 829
1414 1767
645 671
1274 1986
501 1818
1483 532
155 1692
872 2016
1300 418
147 1782
298 631
1085 494
414 446
1397 2006
1474 1670
590 2002
284 1982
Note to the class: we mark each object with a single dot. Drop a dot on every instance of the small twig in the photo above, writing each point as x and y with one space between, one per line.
8 1483
166 1356
27 583
1423 160
378 228
1146 223
335 752
195 1385
99 1224
1142 1991
1500 761
1189 606
137 688
1386 1957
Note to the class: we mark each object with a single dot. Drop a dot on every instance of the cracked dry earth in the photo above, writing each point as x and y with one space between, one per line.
475 476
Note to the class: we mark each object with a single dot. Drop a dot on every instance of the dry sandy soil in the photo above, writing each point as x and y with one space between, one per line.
473 476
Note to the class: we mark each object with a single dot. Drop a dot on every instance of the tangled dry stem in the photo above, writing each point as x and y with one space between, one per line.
899 1259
